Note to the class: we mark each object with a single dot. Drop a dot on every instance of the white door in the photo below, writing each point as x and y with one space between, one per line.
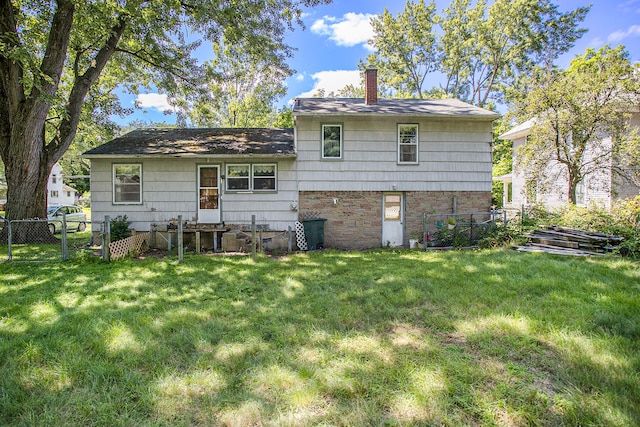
208 194
393 216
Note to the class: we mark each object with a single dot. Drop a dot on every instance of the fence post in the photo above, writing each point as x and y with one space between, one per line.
471 229
424 231
253 236
180 239
64 237
9 239
290 242
106 239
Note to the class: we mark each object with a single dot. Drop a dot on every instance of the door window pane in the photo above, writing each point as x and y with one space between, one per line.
208 198
208 177
392 207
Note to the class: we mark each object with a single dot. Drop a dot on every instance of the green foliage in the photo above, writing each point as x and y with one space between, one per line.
406 47
61 63
573 109
482 51
120 228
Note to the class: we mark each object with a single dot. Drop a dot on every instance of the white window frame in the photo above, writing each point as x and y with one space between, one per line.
248 177
115 184
251 177
322 141
415 144
275 176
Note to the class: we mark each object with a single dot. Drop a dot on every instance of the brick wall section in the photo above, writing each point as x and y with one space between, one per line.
355 220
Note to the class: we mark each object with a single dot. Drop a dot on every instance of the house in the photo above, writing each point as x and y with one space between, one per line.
58 192
371 167
602 187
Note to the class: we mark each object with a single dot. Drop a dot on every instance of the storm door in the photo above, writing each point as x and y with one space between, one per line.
209 194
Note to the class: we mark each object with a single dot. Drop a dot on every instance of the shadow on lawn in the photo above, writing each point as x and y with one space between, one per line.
363 338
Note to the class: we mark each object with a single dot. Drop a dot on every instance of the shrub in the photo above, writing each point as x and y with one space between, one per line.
120 228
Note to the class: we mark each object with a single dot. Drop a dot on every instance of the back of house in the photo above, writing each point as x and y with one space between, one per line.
370 167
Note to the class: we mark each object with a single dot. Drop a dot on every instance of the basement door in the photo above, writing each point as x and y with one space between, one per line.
209 194
393 218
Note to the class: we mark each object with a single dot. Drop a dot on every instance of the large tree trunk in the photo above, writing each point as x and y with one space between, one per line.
27 172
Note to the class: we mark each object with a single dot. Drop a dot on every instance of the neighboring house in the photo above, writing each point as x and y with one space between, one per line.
601 188
58 192
371 167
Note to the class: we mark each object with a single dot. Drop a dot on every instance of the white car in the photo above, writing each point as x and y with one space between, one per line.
76 219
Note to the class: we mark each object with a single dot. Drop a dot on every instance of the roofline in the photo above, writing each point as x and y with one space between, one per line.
188 156
477 117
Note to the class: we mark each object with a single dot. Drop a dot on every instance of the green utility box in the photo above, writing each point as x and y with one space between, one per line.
314 232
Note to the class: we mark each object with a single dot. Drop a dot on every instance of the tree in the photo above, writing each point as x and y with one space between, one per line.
482 50
241 91
406 48
581 115
486 49
58 59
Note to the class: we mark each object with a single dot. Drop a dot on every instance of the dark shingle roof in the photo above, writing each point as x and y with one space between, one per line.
199 142
411 107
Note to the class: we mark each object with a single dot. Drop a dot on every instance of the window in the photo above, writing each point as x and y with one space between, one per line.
331 141
408 144
264 177
238 177
256 177
54 193
127 184
68 193
54 179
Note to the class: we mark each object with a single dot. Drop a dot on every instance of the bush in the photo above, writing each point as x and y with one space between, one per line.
120 228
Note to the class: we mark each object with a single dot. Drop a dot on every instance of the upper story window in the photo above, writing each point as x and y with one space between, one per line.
331 141
408 144
256 177
54 193
127 183
54 179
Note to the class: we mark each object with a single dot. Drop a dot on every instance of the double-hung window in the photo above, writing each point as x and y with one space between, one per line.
127 183
332 141
251 177
407 144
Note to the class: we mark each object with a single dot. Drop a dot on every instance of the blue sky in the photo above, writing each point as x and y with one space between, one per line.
335 39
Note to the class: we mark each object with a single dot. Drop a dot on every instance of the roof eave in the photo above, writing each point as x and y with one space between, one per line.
189 156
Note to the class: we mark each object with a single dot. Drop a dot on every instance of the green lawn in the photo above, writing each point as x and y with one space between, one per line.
330 338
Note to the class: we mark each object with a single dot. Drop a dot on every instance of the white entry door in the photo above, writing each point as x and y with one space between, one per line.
393 217
208 194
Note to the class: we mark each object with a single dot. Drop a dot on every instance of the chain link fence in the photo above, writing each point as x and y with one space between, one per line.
457 230
45 240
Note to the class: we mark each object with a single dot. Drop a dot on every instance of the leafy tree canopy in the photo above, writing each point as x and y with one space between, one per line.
482 50
60 62
582 117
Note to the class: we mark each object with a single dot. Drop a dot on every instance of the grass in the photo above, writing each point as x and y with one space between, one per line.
391 337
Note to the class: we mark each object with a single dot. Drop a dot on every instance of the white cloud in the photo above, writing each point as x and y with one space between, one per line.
350 30
300 77
154 101
620 35
332 81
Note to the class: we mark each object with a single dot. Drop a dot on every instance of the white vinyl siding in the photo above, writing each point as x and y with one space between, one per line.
127 183
455 155
170 189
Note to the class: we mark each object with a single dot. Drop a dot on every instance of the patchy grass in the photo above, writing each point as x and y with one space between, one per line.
332 338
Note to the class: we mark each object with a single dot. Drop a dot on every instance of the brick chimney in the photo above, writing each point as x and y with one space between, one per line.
371 86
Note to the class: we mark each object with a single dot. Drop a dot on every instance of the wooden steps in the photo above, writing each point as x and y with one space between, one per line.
569 241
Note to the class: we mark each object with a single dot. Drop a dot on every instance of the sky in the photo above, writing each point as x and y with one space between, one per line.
335 40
